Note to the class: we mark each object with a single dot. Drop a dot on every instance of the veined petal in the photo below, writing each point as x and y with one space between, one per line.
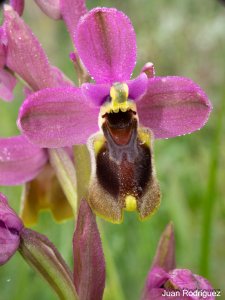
71 12
173 106
105 40
25 55
50 7
7 85
58 117
20 161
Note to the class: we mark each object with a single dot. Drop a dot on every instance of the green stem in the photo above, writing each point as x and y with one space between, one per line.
83 170
66 174
209 203
113 284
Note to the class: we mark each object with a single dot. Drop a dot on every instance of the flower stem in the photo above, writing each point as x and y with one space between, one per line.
83 170
209 203
113 283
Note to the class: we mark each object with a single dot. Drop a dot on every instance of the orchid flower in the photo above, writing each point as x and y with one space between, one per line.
123 108
165 281
21 161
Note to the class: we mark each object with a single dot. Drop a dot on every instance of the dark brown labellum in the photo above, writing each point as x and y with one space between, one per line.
123 174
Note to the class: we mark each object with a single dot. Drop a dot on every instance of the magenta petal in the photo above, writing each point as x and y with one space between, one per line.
137 86
173 106
156 278
20 161
10 227
18 6
89 264
7 85
50 7
185 279
105 40
25 55
96 93
71 12
58 117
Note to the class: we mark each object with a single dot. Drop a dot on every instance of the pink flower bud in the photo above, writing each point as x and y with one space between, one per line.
10 227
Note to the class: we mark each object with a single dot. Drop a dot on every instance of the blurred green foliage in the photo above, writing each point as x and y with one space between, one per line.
184 38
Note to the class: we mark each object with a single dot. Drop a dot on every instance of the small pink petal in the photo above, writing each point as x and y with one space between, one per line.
105 40
137 86
10 227
50 7
71 12
156 278
25 55
7 85
89 264
96 93
20 161
58 117
173 106
18 6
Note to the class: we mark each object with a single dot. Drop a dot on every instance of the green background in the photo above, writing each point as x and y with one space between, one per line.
184 38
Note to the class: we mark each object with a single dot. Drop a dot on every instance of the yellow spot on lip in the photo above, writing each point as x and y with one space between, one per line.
98 143
131 203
